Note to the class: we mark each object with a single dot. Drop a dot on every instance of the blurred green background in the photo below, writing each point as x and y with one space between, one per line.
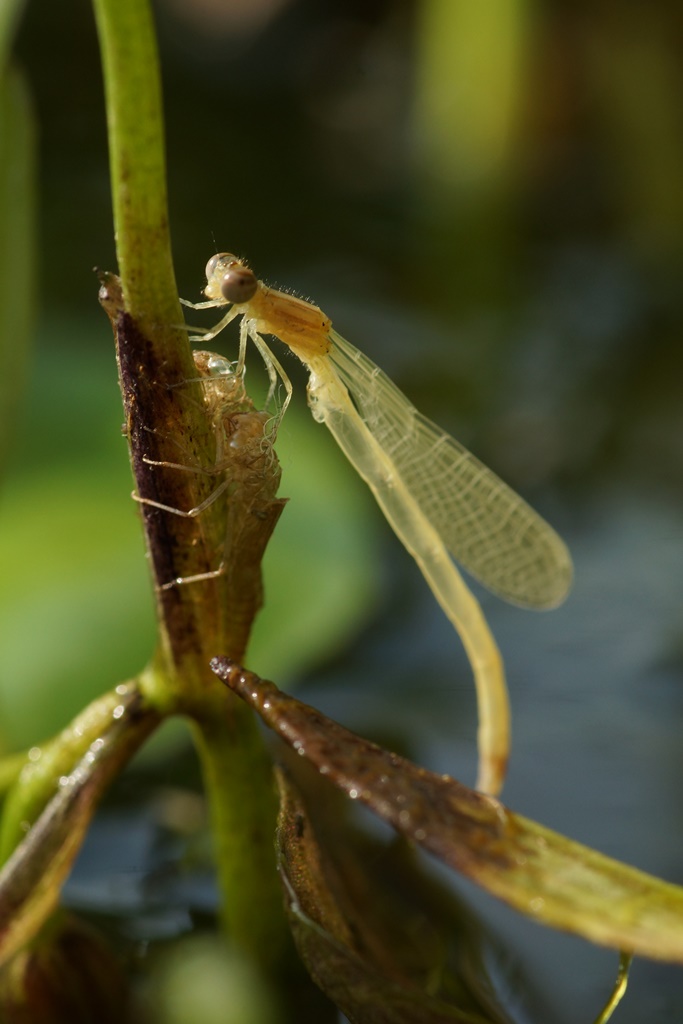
487 198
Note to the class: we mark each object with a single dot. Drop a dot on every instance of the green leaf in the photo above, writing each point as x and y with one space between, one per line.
31 879
76 622
17 243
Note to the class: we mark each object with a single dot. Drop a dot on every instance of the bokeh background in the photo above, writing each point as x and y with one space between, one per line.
487 198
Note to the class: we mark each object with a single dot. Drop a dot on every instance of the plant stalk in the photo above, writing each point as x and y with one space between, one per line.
168 423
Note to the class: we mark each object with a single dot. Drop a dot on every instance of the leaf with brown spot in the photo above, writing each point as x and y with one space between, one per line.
541 873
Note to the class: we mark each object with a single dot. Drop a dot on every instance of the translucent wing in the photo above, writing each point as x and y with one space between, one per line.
488 528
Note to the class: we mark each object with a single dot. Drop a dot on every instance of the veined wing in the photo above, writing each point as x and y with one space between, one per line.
488 528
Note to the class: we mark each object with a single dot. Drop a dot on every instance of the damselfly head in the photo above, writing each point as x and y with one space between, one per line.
229 279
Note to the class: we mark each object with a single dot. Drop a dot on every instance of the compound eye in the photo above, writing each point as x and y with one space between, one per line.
239 284
220 257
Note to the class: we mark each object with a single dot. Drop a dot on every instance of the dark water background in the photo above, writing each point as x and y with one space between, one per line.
507 243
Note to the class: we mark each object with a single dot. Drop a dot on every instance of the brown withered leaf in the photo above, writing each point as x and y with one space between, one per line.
373 939
182 414
544 875
68 973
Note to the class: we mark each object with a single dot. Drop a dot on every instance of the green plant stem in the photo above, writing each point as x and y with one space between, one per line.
234 758
10 13
137 161
165 408
619 990
154 357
